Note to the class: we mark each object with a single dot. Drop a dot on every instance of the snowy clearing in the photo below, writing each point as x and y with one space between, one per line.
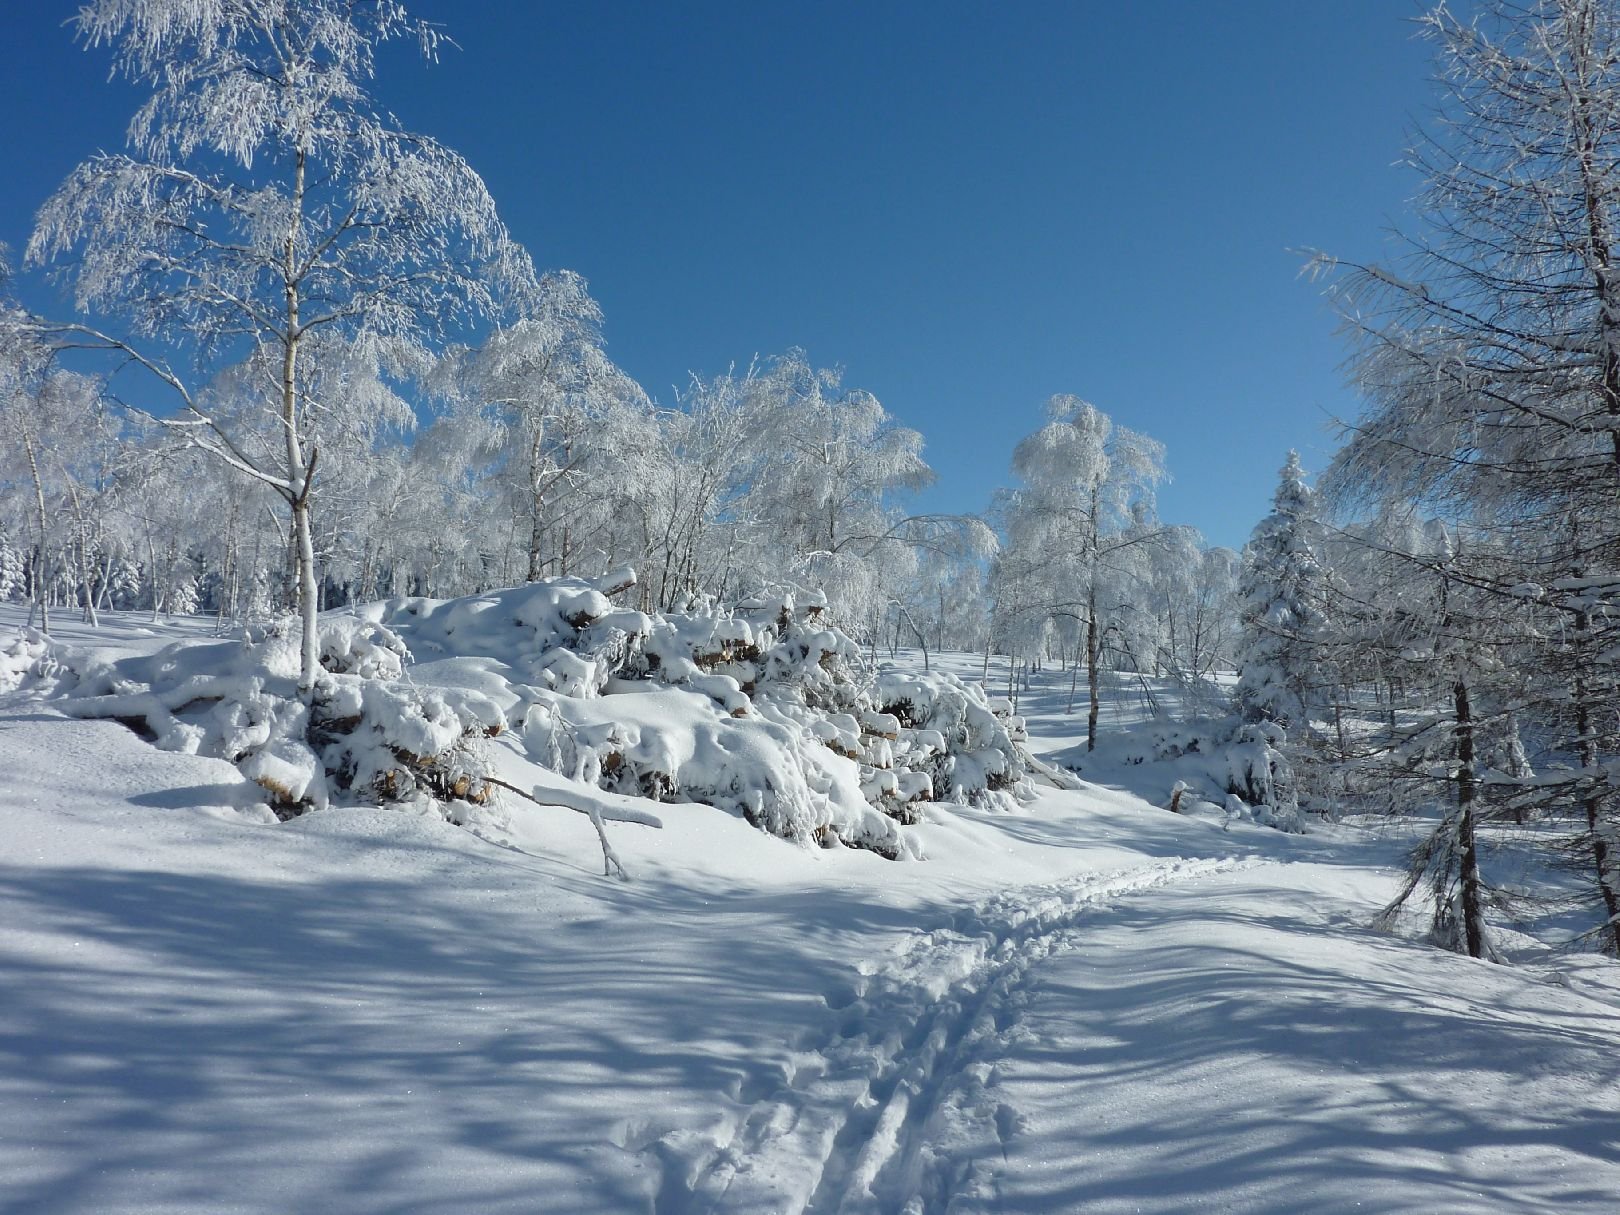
1085 1004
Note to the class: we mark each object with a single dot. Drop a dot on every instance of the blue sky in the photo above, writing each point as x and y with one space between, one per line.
967 206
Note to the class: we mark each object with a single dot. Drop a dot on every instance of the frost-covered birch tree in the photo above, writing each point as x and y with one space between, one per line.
536 406
1083 515
267 216
830 463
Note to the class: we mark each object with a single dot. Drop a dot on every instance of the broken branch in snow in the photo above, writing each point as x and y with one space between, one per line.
1057 776
594 809
598 803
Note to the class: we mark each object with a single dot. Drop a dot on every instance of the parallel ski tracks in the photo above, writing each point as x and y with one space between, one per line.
890 1111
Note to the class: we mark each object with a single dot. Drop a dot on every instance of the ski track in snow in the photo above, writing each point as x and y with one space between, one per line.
889 1111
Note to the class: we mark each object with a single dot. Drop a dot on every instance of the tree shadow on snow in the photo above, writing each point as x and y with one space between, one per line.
1201 1070
389 1045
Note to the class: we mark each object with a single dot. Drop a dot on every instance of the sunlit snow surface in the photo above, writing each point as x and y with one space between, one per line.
1091 1005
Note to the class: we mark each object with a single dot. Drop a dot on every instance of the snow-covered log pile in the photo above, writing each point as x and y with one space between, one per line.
365 731
762 710
968 748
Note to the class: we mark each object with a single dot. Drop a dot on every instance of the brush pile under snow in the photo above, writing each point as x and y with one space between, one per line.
1240 761
25 659
366 732
762 710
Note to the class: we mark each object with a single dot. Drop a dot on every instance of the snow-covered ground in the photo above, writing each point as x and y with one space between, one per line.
1087 1005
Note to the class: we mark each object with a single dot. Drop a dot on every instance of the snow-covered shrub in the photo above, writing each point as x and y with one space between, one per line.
948 731
1259 773
1175 741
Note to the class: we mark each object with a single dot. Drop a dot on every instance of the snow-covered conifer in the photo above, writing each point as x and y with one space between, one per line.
11 569
1282 597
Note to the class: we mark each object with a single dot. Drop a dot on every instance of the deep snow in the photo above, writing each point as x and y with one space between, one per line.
1088 1004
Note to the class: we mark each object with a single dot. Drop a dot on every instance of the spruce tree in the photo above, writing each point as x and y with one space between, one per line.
1282 599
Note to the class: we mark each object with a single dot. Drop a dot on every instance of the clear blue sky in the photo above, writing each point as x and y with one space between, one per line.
968 206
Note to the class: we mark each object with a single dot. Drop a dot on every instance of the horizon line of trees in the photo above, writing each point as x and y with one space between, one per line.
278 272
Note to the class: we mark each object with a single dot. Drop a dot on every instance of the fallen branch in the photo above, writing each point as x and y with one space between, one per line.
583 803
593 808
1057 776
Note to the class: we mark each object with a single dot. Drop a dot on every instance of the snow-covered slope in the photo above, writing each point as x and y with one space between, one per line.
1088 1004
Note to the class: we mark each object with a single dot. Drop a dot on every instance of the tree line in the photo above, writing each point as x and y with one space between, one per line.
329 373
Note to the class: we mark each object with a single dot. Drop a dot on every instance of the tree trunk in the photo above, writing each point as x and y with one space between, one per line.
152 574
1608 881
81 547
104 590
41 590
300 474
536 531
1471 888
1093 653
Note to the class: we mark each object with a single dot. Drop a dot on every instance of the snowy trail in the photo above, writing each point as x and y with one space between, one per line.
1249 1045
889 1109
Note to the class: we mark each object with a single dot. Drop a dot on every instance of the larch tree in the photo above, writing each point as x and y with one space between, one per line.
1448 647
267 216
1490 359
